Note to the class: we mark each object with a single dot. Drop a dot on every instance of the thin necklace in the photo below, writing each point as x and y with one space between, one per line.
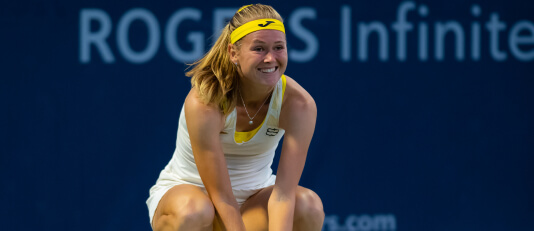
251 118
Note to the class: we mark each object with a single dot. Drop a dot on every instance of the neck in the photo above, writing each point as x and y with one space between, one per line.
254 95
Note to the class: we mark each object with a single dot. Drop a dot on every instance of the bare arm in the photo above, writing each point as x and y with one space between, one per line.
204 123
298 120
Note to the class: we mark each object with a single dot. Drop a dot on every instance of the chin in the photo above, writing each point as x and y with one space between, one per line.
272 79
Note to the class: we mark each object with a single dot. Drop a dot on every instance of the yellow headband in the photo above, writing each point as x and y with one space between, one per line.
256 25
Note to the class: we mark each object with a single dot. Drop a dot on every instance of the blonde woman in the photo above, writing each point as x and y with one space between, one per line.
239 107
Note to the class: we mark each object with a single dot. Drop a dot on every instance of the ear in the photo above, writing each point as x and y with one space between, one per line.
232 51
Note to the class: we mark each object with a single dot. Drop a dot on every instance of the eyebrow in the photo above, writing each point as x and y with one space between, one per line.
262 42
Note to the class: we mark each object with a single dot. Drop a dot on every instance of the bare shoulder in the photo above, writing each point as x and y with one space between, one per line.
297 104
199 113
296 96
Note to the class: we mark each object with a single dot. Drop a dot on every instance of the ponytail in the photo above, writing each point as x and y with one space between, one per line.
215 76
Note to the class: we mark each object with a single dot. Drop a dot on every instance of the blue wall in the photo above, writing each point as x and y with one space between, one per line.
425 109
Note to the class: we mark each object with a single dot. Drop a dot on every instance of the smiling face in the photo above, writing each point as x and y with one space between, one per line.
262 57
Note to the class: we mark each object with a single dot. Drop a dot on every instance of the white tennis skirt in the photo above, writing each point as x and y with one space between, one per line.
163 184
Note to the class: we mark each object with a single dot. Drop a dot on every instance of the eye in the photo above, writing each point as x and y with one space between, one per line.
279 47
259 49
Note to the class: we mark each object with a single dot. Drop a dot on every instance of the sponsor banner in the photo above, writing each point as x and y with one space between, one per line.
478 33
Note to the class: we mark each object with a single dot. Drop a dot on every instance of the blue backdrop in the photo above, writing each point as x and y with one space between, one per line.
424 109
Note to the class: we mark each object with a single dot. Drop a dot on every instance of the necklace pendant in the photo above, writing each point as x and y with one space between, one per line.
250 122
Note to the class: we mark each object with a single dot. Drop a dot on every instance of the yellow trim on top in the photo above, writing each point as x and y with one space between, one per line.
283 86
241 137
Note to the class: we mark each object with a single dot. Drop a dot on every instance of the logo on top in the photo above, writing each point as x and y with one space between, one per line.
272 131
266 23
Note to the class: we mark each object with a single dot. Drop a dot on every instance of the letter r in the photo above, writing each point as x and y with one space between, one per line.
98 38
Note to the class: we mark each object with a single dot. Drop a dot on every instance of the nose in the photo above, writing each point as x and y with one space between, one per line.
269 57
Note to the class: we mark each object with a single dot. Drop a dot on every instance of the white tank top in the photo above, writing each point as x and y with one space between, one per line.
248 163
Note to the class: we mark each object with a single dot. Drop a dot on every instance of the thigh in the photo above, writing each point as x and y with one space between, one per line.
182 200
254 210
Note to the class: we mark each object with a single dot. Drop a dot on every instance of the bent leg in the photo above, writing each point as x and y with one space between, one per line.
184 207
309 214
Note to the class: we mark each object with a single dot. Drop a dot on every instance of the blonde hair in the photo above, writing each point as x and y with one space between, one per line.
214 76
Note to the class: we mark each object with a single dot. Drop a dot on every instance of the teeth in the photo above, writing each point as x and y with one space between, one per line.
268 70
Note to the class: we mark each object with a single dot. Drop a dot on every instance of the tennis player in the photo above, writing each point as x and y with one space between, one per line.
240 106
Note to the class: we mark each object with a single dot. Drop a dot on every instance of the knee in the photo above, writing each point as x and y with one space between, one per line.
308 206
199 213
193 213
